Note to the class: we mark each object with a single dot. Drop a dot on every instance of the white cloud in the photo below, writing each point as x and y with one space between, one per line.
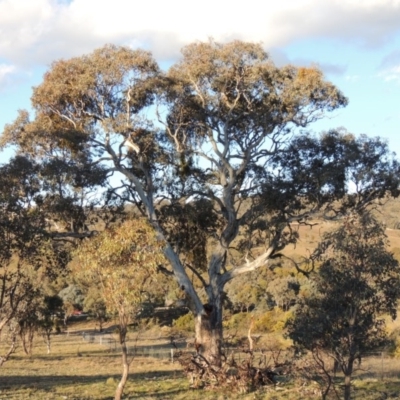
391 74
22 25
6 72
39 31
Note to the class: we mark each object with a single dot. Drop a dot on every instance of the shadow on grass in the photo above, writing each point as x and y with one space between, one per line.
61 357
46 382
165 394
155 352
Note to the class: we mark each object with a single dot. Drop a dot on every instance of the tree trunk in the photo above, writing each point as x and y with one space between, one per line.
348 371
347 387
10 351
27 340
125 367
209 336
100 319
47 339
335 368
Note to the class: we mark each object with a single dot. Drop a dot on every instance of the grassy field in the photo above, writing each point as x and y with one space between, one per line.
79 370
76 369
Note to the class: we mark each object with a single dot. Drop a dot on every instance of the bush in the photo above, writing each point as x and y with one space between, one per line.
272 321
236 321
111 382
394 340
184 323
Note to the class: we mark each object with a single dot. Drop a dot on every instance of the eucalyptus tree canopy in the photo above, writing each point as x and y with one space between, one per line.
206 151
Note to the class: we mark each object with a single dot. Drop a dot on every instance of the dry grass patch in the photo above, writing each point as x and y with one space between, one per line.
78 370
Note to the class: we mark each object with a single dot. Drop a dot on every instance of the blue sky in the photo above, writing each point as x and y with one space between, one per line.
355 42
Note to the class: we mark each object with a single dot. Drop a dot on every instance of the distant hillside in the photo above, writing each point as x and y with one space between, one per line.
311 236
388 213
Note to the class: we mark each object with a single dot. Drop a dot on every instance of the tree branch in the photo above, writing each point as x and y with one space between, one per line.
260 261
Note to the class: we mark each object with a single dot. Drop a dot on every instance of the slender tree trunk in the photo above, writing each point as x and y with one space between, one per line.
47 339
100 319
27 340
249 334
347 379
335 368
125 366
328 387
10 351
347 387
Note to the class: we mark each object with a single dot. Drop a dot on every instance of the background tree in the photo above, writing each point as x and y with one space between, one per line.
95 305
214 134
28 256
123 263
284 291
48 314
40 316
73 298
357 283
248 292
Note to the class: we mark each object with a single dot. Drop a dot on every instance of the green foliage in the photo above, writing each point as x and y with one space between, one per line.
184 323
29 259
237 321
358 281
198 219
249 291
394 348
73 295
111 382
247 295
272 321
94 304
123 263
265 322
284 291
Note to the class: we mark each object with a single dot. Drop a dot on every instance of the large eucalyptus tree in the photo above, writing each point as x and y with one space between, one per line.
206 151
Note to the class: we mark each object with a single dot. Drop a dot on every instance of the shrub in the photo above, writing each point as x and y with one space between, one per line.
272 321
236 321
185 323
